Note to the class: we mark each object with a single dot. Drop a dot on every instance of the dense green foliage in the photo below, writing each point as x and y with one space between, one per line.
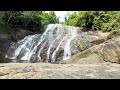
105 21
3 26
95 20
29 20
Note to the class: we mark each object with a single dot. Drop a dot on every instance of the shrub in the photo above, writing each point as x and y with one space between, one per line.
114 33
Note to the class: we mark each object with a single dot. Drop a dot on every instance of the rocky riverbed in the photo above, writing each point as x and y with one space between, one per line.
59 71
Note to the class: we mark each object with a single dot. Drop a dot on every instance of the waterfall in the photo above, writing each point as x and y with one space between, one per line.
46 47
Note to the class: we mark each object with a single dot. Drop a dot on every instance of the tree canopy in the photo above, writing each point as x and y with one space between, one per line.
30 20
95 20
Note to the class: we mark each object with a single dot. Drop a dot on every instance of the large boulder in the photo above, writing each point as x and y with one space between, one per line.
108 51
84 41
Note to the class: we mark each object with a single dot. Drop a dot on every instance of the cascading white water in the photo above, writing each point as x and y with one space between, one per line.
72 32
54 53
28 55
47 45
48 51
25 41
